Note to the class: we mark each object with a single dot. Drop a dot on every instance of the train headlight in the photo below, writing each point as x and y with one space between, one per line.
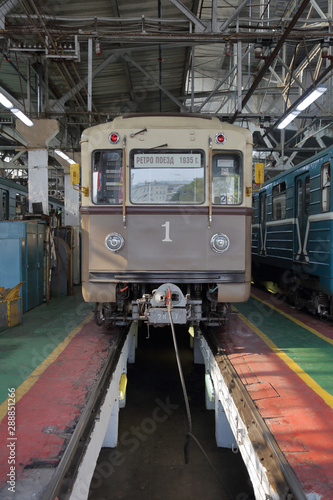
114 242
219 243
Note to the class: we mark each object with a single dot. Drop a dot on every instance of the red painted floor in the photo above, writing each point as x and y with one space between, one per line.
300 420
47 414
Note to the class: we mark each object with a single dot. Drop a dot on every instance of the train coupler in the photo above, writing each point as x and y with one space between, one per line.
153 308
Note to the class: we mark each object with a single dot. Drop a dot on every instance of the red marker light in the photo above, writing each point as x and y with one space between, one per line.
114 138
220 138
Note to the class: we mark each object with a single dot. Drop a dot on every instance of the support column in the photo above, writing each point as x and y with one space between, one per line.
72 212
38 138
38 179
72 218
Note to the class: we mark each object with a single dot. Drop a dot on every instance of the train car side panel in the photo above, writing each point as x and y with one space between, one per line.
296 233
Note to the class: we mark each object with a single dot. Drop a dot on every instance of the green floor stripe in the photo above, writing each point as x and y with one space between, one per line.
311 353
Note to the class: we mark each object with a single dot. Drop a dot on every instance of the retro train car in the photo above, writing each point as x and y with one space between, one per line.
167 221
292 234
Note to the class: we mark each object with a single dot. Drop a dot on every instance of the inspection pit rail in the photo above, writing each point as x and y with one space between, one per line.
239 425
98 424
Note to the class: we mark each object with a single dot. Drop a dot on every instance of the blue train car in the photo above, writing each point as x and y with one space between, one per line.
292 234
14 200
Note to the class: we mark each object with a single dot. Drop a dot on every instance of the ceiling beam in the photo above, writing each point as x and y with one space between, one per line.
273 55
189 14
181 106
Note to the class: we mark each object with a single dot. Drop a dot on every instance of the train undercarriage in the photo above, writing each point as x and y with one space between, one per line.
302 290
153 304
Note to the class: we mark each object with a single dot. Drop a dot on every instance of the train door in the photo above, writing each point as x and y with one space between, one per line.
302 206
262 222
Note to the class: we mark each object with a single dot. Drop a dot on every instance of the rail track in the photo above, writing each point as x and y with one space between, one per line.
270 473
66 473
275 477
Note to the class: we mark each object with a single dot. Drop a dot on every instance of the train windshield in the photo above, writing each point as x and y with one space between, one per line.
160 176
227 179
107 183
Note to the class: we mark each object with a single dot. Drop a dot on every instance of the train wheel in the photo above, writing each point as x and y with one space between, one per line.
99 316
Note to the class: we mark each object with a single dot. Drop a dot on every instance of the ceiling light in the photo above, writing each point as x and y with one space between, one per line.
5 102
21 116
64 156
15 110
311 98
303 102
289 118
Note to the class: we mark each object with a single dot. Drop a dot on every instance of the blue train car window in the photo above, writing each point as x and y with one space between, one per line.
325 186
172 176
4 207
263 206
299 197
307 195
107 184
227 179
21 204
279 197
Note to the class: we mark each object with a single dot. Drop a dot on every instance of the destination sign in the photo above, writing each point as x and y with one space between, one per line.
176 160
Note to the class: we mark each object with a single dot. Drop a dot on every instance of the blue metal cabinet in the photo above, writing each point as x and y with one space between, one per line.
22 259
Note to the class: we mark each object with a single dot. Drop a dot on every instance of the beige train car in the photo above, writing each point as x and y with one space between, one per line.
166 226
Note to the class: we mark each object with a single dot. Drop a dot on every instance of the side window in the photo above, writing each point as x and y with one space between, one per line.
307 195
299 197
263 208
21 204
279 197
325 186
107 185
4 205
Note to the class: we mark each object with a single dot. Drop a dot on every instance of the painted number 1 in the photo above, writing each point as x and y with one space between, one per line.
167 231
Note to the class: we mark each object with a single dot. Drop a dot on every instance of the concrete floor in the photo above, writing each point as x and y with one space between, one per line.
148 463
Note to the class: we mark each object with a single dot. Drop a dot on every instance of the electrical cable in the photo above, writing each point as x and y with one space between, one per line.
189 433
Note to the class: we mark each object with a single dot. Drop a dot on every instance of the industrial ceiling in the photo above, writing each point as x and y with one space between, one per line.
246 61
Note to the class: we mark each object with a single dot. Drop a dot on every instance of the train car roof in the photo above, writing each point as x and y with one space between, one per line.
325 152
170 120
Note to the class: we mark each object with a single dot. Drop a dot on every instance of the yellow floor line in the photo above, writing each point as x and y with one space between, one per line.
297 321
34 376
326 396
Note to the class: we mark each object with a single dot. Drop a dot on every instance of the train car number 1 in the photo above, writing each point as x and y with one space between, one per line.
167 231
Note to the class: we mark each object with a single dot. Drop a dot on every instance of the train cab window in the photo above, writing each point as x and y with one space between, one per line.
279 197
227 179
167 176
107 185
325 186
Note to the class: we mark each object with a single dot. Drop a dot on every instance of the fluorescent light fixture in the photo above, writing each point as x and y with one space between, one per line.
311 98
289 118
21 116
64 156
18 113
308 99
5 102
